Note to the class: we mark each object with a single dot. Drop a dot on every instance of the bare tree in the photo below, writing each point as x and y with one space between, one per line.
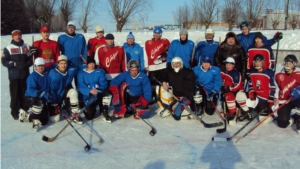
196 18
88 14
122 10
184 16
276 13
207 13
32 8
67 8
232 10
47 11
253 10
294 13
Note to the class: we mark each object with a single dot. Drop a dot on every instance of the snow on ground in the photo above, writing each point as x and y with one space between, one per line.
181 144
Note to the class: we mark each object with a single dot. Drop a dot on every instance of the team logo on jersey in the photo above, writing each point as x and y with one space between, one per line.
155 50
97 45
47 53
24 49
136 52
258 84
14 51
281 77
111 58
288 86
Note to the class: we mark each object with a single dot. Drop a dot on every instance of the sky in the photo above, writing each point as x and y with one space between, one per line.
160 14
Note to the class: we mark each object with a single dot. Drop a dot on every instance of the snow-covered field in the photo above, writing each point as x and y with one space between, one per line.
127 144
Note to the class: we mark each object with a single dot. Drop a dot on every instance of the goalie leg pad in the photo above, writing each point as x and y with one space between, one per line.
119 110
179 108
241 99
230 101
143 112
73 96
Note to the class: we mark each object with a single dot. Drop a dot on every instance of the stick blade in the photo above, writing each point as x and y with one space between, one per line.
220 139
45 138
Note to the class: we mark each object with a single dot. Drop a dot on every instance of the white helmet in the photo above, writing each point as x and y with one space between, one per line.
99 29
175 60
229 60
39 61
209 31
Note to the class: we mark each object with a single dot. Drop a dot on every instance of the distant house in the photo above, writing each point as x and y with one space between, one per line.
198 25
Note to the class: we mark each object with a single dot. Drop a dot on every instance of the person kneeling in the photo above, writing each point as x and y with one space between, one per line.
131 92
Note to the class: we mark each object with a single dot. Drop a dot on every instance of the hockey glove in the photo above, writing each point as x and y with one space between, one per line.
116 97
143 101
252 95
56 108
295 93
278 36
32 51
213 94
20 65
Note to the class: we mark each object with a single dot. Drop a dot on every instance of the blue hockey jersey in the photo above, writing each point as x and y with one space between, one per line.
135 52
138 86
210 79
84 79
247 40
206 48
73 47
184 51
59 81
36 82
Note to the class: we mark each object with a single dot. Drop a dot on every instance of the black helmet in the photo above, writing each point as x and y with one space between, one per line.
291 58
244 24
258 57
133 64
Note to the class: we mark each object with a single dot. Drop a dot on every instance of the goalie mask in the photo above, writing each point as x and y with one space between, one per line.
175 64
292 59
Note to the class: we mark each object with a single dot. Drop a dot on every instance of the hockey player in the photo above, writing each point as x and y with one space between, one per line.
260 48
16 58
261 84
131 90
47 49
208 84
182 81
91 84
207 47
156 50
182 47
231 47
96 42
288 85
233 90
73 45
62 91
37 96
134 51
246 38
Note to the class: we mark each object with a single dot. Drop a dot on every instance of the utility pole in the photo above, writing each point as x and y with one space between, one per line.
172 20
286 13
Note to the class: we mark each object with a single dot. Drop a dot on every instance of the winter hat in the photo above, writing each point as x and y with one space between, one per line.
44 29
183 32
90 60
71 23
15 32
39 61
229 60
258 35
62 57
99 29
230 35
206 59
130 36
109 36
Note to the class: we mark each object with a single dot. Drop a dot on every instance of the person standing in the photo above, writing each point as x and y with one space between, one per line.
96 42
17 58
182 47
134 51
47 49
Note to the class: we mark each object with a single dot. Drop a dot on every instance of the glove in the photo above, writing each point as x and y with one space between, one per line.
56 108
157 61
43 94
32 51
252 95
143 101
295 93
116 98
278 36
20 65
225 89
213 94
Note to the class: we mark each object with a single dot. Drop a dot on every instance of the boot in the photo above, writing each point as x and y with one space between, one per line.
298 125
245 115
36 124
23 116
106 118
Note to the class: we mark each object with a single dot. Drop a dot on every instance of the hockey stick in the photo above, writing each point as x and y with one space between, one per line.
276 56
194 49
222 130
153 130
87 147
32 55
264 119
207 125
230 138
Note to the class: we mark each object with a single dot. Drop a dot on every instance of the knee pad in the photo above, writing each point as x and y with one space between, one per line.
106 100
230 101
198 98
37 106
73 96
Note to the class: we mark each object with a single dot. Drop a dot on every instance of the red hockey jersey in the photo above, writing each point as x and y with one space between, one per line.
111 60
233 80
267 54
49 51
285 83
93 44
154 48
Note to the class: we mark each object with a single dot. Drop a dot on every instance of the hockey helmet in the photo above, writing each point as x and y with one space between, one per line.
229 60
133 64
292 59
39 61
176 60
209 31
244 24
157 30
258 57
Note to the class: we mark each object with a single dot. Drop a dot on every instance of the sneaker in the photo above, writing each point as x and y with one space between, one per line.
77 118
23 116
298 125
106 118
36 124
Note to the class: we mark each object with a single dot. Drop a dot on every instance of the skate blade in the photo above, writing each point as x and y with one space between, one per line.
107 121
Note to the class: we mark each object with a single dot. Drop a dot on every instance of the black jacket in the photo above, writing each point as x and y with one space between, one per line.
13 53
183 82
235 52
